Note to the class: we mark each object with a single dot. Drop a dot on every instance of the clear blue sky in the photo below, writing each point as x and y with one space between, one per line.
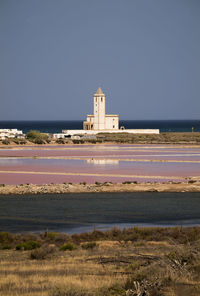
55 53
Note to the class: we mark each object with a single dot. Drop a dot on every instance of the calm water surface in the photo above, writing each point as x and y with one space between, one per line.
76 213
102 163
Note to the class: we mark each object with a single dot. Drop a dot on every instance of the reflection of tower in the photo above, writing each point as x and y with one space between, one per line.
97 161
99 110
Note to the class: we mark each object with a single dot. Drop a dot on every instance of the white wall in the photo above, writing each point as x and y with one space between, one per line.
9 133
90 118
99 112
112 122
94 132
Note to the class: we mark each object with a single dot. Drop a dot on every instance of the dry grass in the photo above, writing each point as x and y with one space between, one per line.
115 263
21 276
110 268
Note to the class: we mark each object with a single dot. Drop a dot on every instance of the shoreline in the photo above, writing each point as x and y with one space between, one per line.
70 143
25 189
163 138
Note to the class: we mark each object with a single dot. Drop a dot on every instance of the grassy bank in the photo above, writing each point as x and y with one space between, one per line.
162 138
123 138
152 261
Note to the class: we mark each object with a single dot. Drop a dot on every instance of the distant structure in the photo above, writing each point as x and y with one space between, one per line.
100 120
10 133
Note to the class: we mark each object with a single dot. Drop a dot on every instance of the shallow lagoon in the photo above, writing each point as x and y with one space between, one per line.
102 163
75 213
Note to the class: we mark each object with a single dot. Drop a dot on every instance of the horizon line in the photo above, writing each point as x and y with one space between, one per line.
183 119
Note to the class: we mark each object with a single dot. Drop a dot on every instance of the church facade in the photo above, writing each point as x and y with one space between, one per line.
100 120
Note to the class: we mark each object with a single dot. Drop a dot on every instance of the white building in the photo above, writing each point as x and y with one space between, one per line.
100 120
10 133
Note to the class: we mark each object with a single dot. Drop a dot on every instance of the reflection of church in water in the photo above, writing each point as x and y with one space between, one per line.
100 120
101 161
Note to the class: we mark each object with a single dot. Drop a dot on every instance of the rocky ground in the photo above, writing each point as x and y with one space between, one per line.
191 185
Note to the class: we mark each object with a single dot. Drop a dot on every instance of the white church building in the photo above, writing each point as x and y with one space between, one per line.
102 122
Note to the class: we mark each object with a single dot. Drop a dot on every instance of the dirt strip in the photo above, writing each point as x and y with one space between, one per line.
191 186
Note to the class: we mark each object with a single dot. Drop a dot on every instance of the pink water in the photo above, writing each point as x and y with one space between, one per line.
91 163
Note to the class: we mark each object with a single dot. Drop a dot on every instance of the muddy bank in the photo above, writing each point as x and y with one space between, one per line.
191 186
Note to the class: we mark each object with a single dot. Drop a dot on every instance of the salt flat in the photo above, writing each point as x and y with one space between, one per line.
101 163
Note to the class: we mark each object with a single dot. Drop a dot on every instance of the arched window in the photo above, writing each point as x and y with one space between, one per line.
101 99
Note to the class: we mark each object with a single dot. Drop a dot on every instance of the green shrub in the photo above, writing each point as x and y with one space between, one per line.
6 237
16 141
92 141
39 141
6 142
23 142
97 183
77 141
52 235
29 245
37 137
42 253
83 183
60 141
6 247
183 256
68 247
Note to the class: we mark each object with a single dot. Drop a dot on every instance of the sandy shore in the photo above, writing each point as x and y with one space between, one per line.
191 186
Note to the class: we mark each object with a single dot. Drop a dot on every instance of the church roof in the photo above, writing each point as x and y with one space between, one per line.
99 91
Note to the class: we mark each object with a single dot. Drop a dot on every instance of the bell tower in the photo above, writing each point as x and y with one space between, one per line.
99 110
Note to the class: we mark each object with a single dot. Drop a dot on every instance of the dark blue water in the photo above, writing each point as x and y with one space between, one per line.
75 213
58 126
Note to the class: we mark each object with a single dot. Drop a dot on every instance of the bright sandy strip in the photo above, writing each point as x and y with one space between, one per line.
100 158
93 174
118 149
104 146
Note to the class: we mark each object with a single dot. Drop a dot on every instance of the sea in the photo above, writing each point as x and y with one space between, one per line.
51 126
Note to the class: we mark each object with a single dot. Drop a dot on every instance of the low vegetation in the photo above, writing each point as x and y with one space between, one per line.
68 247
28 245
37 137
129 262
162 138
